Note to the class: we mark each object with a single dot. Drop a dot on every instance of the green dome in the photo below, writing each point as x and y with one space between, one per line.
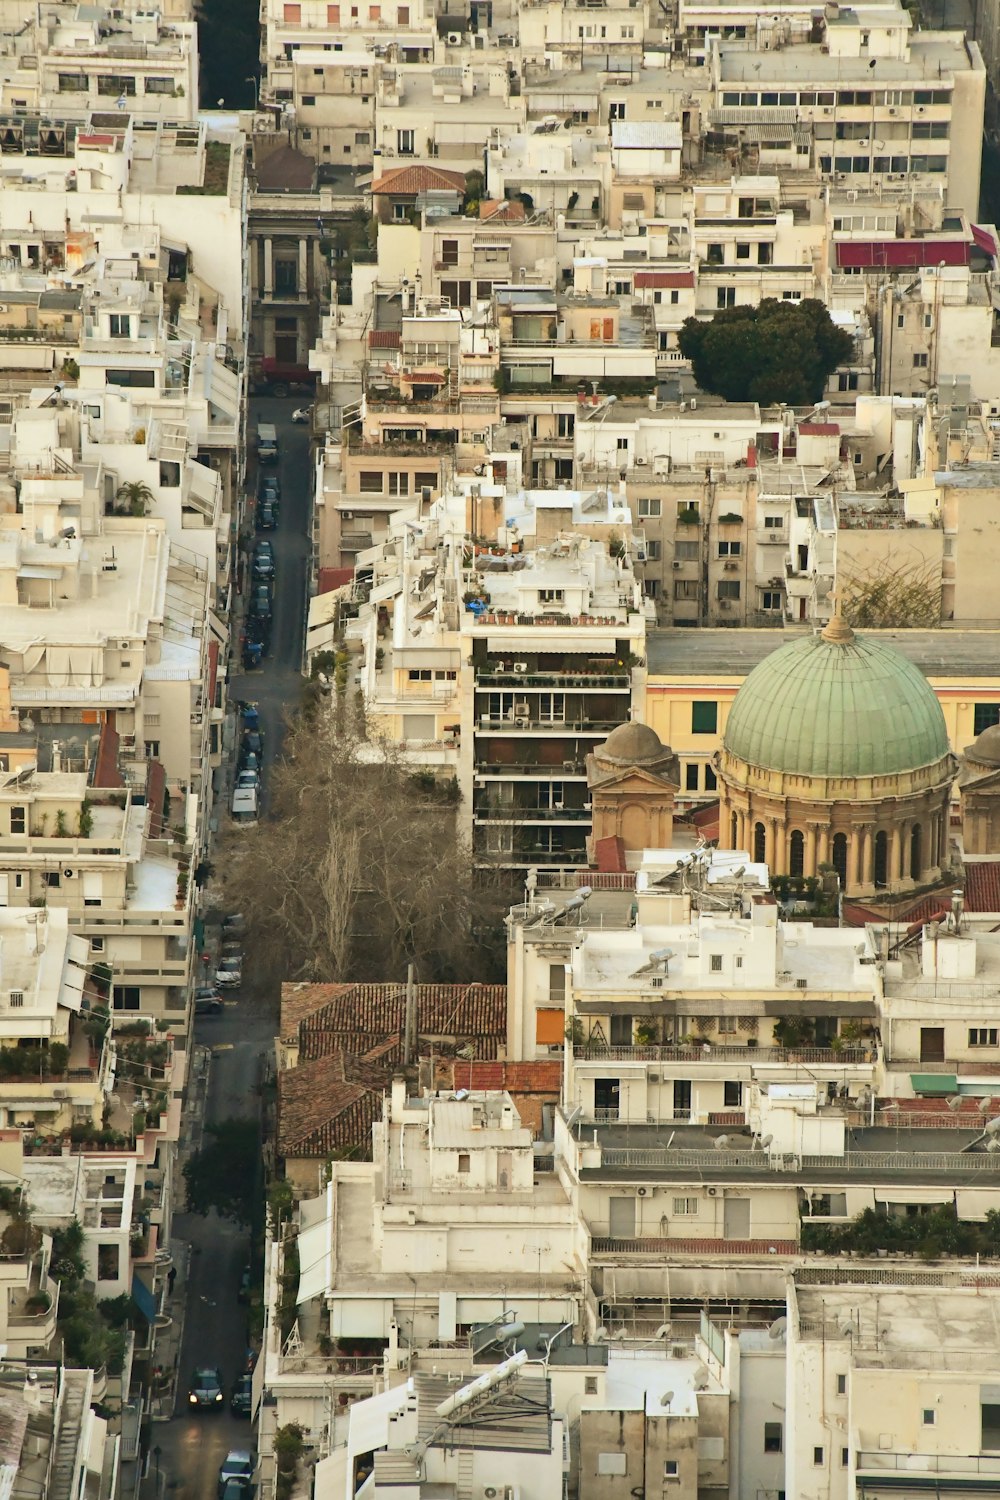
839 705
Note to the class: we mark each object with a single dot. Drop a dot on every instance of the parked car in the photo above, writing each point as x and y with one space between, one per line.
236 1489
270 487
229 974
267 515
302 414
235 925
241 1401
207 1001
263 560
252 743
206 1389
250 762
261 602
248 778
239 1466
267 443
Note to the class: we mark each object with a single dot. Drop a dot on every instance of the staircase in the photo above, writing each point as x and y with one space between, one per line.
76 1390
466 1469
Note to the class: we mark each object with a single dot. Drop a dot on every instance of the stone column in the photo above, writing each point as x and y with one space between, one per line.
303 267
824 845
268 266
809 859
770 846
867 857
894 853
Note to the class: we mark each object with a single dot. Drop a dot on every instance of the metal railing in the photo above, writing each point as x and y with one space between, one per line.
929 1463
647 1158
727 1052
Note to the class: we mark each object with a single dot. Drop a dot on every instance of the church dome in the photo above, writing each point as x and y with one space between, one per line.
632 744
985 748
836 705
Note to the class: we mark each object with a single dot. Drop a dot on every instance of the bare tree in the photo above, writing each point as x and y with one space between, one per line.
359 869
897 596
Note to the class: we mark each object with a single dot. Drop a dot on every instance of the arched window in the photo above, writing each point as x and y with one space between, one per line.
759 844
881 858
733 827
916 853
796 852
839 860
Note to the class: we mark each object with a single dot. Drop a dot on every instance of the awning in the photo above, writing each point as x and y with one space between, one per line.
506 640
985 239
315 1248
914 1195
659 279
851 1009
892 255
934 1083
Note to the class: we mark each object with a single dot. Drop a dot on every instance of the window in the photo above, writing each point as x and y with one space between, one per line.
772 1437
370 482
685 1207
126 997
990 1418
686 551
729 589
841 1385
404 142
107 1262
983 716
765 255
464 1161
557 983
670 1469
113 85
590 1385
16 998
97 945
715 963
308 99
732 1095
930 1416
152 748
333 15
920 361
983 1036
551 596
18 820
710 786
73 83
704 718
770 600
653 551
616 110
819 1458
725 296
651 588
143 378
715 255
845 1457
730 549
52 879
742 252
449 252
773 523
292 15
399 483
649 507
691 776
685 588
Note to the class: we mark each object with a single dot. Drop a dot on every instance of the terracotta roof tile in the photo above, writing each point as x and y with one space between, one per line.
384 338
447 1012
982 886
408 181
300 1000
501 211
324 1107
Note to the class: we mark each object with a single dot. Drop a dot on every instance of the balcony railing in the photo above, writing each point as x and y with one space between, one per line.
509 814
727 1052
948 1164
929 1463
606 1244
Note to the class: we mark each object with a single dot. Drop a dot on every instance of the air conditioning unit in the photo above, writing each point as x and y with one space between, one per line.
678 565
3 307
68 874
731 567
656 983
641 1192
454 39
725 604
653 1077
520 666
641 463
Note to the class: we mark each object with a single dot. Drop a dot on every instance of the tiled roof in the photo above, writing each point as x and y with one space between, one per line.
284 169
408 181
542 1077
982 886
501 211
454 1012
300 1000
663 279
384 338
328 1105
820 429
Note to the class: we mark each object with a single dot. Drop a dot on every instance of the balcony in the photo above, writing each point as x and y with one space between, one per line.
950 1465
726 1052
644 1246
566 679
524 724
32 1313
510 814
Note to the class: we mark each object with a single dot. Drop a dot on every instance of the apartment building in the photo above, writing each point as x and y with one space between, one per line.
62 65
504 639
403 34
48 1413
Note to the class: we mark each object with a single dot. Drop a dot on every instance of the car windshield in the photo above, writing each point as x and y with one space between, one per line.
206 1380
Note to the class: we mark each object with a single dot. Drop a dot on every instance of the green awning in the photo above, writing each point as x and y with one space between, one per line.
934 1083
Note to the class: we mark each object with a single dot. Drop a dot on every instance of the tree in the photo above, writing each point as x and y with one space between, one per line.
135 498
774 352
359 870
222 1175
904 596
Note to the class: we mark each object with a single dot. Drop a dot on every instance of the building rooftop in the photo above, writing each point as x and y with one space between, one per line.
733 653
944 1327
640 1381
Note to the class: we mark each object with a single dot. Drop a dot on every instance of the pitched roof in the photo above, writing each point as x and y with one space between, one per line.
407 181
328 1105
982 886
542 1077
384 338
455 1012
501 211
300 1000
282 169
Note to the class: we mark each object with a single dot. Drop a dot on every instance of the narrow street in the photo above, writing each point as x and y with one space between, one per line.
193 1445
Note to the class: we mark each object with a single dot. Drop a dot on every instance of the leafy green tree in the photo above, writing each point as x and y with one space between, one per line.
134 497
776 351
223 1174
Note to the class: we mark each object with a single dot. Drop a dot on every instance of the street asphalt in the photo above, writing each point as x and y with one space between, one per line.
193 1445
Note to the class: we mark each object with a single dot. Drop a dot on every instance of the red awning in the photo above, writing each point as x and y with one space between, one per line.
663 279
900 254
985 239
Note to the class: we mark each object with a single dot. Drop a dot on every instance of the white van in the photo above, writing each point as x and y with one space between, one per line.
244 806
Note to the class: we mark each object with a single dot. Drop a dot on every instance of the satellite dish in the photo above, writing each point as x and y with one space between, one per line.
721 1143
992 1126
766 1140
955 1102
601 1335
699 1380
985 1105
846 1326
666 1398
663 1331
778 1329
